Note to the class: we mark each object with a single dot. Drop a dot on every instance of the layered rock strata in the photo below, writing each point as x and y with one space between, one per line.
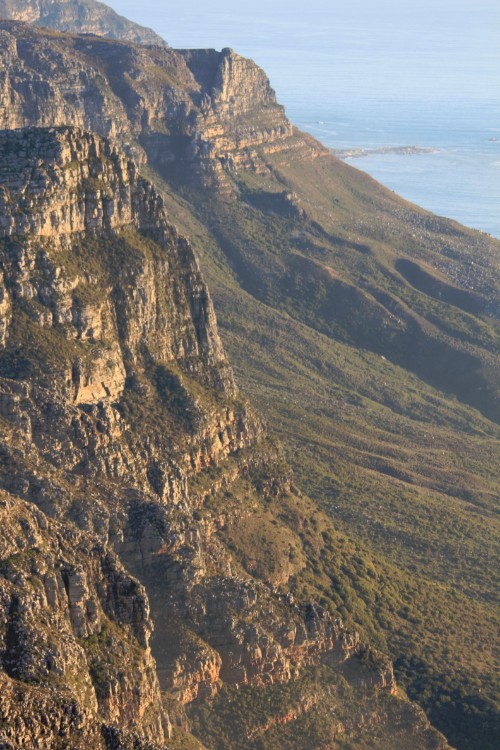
193 112
320 241
125 327
74 635
119 415
108 324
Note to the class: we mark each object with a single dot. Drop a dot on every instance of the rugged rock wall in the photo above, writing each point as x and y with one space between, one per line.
74 633
80 186
198 112
79 16
107 324
126 336
119 414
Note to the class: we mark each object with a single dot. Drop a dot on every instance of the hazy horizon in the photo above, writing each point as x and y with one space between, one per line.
402 32
366 75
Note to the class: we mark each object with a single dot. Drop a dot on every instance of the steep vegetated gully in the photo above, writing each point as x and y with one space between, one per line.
277 561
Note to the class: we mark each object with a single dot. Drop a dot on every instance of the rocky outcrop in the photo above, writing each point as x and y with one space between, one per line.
78 185
119 416
74 633
239 121
80 17
199 114
123 397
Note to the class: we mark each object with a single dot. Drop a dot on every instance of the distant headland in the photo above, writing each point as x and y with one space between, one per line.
357 153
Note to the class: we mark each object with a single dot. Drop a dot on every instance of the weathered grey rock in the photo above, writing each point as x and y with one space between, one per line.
78 16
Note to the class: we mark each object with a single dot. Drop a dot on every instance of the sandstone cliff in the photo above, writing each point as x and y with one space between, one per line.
364 327
199 113
74 632
79 16
119 415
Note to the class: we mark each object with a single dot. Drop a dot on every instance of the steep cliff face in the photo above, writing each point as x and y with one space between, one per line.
79 16
119 414
79 185
364 326
198 112
111 331
101 298
74 632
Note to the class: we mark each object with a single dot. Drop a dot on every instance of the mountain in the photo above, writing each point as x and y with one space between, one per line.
120 418
363 327
79 16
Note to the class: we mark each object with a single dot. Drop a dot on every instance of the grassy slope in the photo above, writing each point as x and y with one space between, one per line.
383 393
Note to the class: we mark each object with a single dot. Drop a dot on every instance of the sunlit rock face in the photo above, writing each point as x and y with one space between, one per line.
202 113
125 444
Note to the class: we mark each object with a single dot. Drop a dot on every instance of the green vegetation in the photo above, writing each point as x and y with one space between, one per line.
110 655
381 383
272 716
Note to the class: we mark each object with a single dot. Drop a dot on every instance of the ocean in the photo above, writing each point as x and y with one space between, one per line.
371 77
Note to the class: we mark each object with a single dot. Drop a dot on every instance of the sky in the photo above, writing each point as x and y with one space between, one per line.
370 73
478 15
452 30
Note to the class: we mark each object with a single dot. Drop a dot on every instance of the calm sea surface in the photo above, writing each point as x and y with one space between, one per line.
373 75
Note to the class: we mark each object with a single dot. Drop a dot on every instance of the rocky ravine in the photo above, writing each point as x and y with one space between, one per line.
119 416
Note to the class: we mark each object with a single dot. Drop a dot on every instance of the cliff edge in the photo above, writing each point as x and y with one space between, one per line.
120 418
